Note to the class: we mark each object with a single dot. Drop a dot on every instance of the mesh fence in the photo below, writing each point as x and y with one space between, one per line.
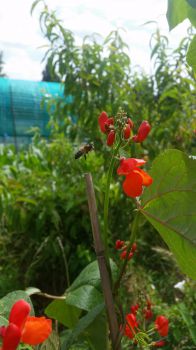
22 107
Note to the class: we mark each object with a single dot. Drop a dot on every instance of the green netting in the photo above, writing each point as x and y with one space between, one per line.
21 108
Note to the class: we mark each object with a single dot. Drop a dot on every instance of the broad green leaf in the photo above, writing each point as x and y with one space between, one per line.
188 321
82 325
91 276
52 343
66 314
170 205
176 12
7 302
191 54
191 14
97 334
85 297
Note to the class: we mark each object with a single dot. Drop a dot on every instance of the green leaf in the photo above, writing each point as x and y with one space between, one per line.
3 321
85 297
82 325
52 343
97 334
32 290
170 205
34 5
176 12
66 314
7 302
188 321
91 276
191 54
192 15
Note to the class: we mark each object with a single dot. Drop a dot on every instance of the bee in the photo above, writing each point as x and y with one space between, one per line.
84 150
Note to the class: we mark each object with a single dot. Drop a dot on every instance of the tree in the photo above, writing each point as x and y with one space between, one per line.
1 65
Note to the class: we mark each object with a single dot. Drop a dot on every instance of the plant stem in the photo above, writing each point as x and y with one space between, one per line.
132 240
106 200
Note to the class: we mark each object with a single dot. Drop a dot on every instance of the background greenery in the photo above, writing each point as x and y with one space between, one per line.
45 233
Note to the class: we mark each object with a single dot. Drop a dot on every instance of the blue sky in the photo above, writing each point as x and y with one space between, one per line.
20 36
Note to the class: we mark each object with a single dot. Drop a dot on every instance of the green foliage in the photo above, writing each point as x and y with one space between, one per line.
7 302
177 11
83 326
169 204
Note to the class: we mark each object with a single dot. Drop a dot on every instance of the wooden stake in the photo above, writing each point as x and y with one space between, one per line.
105 279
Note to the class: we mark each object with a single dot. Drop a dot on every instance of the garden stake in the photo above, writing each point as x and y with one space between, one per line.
99 250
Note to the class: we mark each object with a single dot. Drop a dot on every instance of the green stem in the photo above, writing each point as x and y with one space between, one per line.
131 241
106 200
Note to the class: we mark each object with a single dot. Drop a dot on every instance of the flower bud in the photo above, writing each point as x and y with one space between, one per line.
111 138
119 244
123 255
127 131
130 122
148 314
134 247
143 132
159 344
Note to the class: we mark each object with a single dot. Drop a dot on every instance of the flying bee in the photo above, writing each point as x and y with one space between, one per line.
84 150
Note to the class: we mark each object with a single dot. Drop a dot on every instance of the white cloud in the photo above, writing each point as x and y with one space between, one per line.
20 34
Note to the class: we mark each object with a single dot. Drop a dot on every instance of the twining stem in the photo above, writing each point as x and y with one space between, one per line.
131 241
106 200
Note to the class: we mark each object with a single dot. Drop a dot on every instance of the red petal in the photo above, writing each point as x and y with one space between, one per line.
102 120
19 313
36 330
147 179
132 185
111 138
127 131
143 132
11 338
127 165
162 325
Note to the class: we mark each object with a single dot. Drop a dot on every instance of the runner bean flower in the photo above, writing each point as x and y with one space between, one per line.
24 328
162 325
135 178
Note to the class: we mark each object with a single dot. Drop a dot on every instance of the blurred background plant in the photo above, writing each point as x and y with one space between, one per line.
45 238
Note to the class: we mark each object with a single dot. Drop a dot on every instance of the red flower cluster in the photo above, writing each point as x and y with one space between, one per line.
123 126
24 328
136 178
131 326
122 245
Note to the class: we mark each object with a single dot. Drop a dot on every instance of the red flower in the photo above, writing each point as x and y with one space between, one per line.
111 138
127 131
24 328
162 325
143 132
159 344
131 324
135 177
124 254
105 122
134 308
148 314
134 247
119 244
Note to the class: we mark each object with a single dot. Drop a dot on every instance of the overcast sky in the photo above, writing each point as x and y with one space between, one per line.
20 36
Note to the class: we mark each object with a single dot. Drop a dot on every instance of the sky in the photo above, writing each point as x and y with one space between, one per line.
21 40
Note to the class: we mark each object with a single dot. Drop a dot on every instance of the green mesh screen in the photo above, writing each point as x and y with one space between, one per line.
22 107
